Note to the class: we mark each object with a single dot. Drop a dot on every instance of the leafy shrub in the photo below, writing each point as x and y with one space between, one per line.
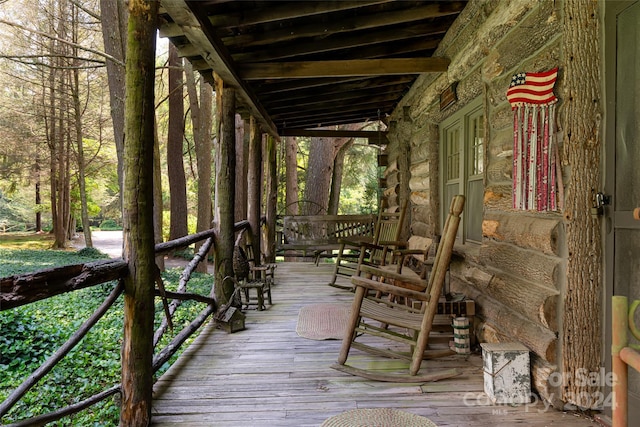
92 253
110 225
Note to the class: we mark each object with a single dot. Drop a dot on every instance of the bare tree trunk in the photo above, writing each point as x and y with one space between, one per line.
319 172
322 155
291 173
582 314
77 111
201 115
336 178
114 16
137 345
225 190
59 139
175 165
38 195
157 196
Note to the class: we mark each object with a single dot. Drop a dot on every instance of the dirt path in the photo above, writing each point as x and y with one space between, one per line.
110 242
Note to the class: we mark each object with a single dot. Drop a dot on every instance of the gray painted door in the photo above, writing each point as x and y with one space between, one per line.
622 232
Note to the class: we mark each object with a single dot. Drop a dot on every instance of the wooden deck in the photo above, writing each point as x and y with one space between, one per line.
269 376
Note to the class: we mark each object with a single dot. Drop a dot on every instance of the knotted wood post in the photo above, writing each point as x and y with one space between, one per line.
272 198
137 345
225 190
254 178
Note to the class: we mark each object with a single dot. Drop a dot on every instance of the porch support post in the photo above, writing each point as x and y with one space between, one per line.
272 198
581 334
254 178
137 345
225 159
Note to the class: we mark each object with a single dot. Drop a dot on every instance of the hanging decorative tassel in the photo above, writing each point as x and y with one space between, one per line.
534 152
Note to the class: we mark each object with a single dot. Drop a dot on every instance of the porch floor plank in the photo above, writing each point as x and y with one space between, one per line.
267 375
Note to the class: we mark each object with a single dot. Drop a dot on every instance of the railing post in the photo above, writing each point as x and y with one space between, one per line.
619 340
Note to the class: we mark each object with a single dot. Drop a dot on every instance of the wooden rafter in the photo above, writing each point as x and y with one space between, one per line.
356 67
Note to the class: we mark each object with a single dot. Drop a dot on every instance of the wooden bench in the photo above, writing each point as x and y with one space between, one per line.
320 235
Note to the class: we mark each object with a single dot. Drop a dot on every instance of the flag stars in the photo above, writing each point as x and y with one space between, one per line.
518 79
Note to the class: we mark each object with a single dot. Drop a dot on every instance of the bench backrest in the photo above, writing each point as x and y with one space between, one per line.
325 229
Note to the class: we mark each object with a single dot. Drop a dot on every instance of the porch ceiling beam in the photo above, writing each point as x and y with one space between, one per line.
201 35
284 11
364 44
363 22
356 67
328 133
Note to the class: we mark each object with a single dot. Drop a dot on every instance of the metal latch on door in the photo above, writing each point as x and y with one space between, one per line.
601 201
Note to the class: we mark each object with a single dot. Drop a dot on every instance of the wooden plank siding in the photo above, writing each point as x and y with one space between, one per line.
267 375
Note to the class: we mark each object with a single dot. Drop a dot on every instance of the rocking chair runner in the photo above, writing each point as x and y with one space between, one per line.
395 318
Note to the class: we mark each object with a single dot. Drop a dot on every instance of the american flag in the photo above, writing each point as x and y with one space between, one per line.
535 157
532 88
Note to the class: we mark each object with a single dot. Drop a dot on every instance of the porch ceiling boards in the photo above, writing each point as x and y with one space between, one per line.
305 64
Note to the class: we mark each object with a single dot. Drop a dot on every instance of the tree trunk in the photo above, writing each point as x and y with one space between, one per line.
77 111
137 345
582 314
254 184
175 165
319 172
225 190
157 196
38 196
322 155
336 178
201 112
114 17
291 173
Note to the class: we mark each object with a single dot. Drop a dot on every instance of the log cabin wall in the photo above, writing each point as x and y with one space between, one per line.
516 275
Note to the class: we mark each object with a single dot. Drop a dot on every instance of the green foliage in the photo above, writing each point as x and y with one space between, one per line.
13 215
33 332
110 225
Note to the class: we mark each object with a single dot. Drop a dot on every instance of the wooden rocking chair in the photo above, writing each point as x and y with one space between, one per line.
375 250
373 313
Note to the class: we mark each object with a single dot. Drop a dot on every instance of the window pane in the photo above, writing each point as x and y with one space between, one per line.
476 144
474 210
453 154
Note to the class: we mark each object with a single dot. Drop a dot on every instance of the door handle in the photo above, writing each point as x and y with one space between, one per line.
601 200
636 214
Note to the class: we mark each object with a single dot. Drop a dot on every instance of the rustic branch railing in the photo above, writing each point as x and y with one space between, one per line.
623 354
28 288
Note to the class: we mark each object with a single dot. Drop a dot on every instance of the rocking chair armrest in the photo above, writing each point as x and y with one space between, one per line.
389 288
396 243
412 279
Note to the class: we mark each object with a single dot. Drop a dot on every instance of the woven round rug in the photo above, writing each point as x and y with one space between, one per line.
378 417
323 321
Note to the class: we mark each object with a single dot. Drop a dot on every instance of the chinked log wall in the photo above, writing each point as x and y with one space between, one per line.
516 275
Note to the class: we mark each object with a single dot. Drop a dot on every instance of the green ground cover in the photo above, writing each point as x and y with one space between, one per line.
31 333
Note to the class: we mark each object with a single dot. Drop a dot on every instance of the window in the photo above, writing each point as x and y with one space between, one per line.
462 160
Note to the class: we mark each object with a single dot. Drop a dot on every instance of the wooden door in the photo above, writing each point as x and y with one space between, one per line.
622 232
